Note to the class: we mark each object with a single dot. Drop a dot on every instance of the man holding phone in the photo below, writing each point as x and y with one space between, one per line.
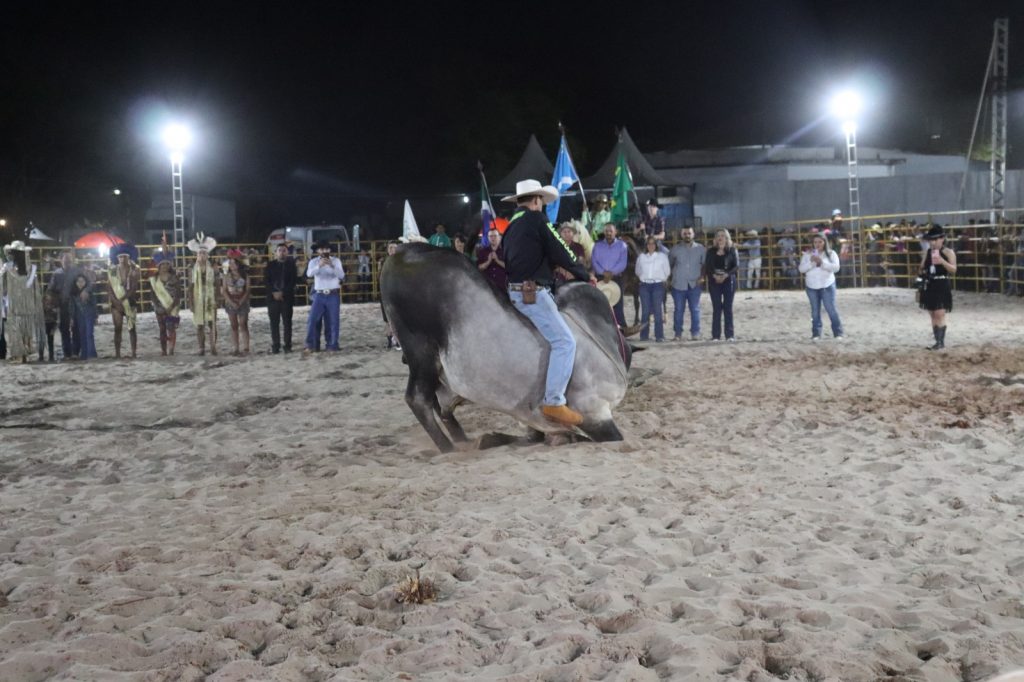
327 274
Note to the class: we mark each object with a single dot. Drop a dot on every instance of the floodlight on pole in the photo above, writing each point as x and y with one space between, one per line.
846 106
177 139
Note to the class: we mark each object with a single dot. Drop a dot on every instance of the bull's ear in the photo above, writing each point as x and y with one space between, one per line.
637 349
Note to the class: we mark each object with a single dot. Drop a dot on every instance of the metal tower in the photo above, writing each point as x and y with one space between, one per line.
851 172
177 199
997 170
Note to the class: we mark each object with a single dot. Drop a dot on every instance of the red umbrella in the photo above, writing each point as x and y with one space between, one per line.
94 240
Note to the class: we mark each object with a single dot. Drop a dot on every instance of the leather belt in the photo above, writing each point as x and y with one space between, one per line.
324 291
651 281
519 286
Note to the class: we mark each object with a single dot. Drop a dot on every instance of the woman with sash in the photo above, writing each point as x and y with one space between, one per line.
203 292
166 288
235 287
123 281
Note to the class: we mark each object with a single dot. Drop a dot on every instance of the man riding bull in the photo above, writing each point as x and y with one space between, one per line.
532 247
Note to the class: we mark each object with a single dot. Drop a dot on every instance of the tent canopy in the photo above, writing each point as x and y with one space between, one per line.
533 164
643 172
94 240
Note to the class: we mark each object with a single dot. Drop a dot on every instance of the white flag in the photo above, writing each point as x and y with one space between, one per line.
410 232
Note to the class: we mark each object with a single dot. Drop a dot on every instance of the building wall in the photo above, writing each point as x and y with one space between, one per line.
757 202
211 216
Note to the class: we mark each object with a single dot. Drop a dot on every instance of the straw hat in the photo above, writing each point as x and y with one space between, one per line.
17 245
611 291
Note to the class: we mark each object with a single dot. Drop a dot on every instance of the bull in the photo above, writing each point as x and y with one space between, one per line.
464 342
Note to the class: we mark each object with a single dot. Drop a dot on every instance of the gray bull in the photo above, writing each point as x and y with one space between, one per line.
465 343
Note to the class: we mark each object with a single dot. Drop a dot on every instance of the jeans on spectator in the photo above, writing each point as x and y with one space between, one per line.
280 311
549 322
681 298
721 306
826 296
652 302
753 273
326 307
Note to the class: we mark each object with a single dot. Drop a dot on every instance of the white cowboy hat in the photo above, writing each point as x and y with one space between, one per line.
611 291
201 243
528 188
17 245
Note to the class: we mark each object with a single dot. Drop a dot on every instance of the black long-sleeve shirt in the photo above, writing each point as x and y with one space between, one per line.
532 247
281 276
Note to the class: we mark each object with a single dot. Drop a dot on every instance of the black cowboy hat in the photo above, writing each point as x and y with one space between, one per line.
935 232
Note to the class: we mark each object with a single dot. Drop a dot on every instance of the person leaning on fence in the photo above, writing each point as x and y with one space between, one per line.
819 267
281 275
568 233
203 292
937 268
123 281
328 274
61 281
720 266
165 288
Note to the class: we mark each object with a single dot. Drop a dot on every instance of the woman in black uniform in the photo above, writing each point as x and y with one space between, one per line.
937 268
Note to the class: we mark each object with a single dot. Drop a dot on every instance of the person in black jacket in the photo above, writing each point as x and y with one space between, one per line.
720 265
281 275
532 248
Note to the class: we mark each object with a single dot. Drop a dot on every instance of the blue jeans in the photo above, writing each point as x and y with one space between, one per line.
652 301
549 322
721 306
325 307
827 296
680 299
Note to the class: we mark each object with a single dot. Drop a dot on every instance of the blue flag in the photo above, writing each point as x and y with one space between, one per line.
564 178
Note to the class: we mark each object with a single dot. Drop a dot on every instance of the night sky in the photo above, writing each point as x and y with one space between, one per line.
296 109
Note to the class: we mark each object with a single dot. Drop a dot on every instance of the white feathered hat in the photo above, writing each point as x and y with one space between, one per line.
201 243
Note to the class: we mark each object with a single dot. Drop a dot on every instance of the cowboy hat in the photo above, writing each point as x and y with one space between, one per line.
201 243
17 245
532 188
837 212
935 232
601 198
751 233
611 291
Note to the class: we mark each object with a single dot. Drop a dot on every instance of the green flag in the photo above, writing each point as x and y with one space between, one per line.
620 191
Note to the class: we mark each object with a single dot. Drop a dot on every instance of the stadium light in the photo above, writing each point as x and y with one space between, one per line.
177 139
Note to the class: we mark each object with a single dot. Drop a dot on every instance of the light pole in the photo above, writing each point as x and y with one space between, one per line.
846 106
177 139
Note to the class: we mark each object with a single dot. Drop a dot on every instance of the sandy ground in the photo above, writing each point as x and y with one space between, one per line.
779 510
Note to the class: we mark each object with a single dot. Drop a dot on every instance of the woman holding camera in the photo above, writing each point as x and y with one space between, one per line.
937 268
819 267
720 266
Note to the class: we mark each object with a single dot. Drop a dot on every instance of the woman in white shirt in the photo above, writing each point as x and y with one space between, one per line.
819 267
653 270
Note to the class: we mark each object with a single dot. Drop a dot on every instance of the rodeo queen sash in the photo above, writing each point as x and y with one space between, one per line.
164 296
117 286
